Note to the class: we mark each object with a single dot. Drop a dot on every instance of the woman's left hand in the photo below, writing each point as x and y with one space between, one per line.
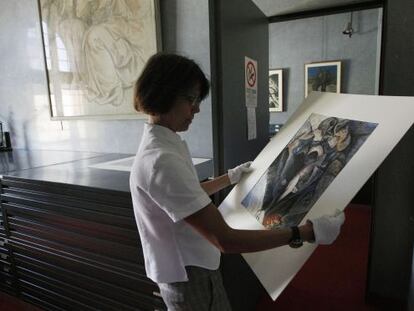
235 174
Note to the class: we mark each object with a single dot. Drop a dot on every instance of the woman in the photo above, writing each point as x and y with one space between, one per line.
182 232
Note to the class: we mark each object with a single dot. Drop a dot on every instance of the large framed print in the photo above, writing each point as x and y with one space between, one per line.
305 168
323 77
322 156
94 52
275 90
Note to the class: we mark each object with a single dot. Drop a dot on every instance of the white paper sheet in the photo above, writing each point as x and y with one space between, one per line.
125 164
275 268
251 124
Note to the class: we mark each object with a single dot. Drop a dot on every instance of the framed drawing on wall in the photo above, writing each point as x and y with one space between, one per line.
275 90
94 52
323 77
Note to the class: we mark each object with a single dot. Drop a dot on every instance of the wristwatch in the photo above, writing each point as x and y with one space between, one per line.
296 240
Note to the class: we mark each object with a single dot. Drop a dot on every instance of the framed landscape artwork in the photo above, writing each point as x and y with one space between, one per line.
94 52
323 77
275 90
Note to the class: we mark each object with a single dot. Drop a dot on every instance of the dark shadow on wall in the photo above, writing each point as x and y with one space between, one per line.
345 75
286 79
168 12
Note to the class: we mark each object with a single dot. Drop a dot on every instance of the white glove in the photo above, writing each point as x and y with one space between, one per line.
235 174
327 228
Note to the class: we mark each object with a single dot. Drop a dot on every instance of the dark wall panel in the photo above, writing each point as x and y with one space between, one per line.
238 29
393 223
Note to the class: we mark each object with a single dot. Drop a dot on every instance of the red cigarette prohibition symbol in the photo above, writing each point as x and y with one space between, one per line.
250 74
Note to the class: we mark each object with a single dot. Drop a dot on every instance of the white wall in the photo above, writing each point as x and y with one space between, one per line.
24 105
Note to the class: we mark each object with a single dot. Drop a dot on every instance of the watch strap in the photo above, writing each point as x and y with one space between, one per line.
296 240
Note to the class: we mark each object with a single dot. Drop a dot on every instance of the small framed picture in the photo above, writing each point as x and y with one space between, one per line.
275 90
323 77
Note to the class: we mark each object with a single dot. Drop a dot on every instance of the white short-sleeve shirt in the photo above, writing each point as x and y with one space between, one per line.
165 189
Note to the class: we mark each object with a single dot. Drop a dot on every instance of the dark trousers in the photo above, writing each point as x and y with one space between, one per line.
204 291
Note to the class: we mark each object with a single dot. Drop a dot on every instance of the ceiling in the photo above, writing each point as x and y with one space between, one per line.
282 7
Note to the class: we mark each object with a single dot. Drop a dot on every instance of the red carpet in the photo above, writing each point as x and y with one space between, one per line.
11 303
334 277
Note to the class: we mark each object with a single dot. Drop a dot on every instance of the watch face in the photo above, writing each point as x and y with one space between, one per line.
296 240
296 243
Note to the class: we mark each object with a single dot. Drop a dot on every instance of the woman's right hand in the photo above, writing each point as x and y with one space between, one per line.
327 228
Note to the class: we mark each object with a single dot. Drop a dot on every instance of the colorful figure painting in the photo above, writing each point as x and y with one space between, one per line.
323 77
304 169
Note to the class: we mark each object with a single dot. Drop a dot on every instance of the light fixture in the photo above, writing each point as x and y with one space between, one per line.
349 30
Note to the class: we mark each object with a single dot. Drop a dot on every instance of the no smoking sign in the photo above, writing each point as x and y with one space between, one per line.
250 76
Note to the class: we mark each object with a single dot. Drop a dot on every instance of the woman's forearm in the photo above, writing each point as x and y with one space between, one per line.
215 185
210 223
247 241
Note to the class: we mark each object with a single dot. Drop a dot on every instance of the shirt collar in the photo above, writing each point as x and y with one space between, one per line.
163 132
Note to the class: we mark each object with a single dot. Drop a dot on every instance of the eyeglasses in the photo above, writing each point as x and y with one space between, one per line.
194 101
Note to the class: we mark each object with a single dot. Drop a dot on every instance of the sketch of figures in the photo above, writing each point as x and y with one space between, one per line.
113 55
105 44
275 90
304 169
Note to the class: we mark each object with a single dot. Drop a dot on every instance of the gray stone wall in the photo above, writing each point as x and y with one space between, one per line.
295 43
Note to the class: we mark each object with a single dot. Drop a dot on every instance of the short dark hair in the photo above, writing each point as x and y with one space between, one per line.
164 78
